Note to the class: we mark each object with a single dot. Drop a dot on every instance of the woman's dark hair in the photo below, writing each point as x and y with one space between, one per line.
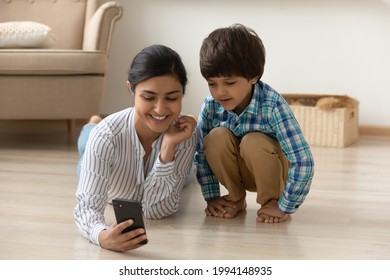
156 60
232 51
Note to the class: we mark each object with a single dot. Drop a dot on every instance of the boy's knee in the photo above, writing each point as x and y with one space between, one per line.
219 140
256 141
217 136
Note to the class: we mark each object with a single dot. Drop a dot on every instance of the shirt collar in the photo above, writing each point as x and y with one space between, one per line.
253 107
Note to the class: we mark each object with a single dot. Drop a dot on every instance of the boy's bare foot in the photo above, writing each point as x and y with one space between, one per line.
95 119
239 206
270 213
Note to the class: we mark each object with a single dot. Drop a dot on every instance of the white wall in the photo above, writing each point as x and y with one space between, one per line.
313 46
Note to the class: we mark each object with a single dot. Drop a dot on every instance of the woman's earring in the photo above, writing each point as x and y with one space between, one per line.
129 88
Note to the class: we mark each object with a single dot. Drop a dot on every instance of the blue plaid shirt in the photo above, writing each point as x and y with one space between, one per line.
270 114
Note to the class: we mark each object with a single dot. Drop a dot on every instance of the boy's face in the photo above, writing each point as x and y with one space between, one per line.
233 93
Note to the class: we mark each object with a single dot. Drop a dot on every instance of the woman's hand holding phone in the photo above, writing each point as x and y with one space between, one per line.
114 238
129 231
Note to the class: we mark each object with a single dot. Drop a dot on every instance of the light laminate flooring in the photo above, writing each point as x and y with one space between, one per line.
345 216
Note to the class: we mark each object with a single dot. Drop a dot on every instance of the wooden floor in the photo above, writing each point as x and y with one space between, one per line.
345 216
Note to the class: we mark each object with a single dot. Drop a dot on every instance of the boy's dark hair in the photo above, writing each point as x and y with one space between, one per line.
154 61
232 51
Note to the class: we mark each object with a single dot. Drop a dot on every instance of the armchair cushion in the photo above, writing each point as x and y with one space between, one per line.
24 34
52 62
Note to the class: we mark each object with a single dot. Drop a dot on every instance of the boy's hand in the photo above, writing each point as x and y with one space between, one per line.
113 238
222 207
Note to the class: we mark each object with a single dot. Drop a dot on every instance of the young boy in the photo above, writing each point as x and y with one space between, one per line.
250 139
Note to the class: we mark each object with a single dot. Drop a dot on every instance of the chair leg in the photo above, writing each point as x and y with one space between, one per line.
71 127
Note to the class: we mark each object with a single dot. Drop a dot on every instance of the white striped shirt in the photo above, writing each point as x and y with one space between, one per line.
113 167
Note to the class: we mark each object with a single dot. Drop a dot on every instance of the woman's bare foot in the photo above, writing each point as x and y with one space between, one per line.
95 119
239 206
270 213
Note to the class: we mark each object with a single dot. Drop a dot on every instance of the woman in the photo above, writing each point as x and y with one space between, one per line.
144 152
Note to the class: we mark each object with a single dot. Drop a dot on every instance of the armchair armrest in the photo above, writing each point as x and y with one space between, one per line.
99 29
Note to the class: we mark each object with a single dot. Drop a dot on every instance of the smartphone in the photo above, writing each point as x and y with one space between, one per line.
126 209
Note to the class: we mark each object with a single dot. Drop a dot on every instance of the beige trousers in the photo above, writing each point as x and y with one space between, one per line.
255 163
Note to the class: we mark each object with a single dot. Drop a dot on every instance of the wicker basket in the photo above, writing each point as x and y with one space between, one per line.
331 127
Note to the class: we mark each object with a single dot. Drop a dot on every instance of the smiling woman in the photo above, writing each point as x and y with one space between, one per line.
144 153
158 102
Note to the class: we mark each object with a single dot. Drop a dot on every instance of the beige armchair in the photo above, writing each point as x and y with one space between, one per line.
64 77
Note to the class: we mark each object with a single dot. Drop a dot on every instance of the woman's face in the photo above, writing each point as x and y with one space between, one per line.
158 102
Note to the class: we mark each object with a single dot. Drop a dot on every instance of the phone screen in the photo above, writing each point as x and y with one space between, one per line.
126 209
